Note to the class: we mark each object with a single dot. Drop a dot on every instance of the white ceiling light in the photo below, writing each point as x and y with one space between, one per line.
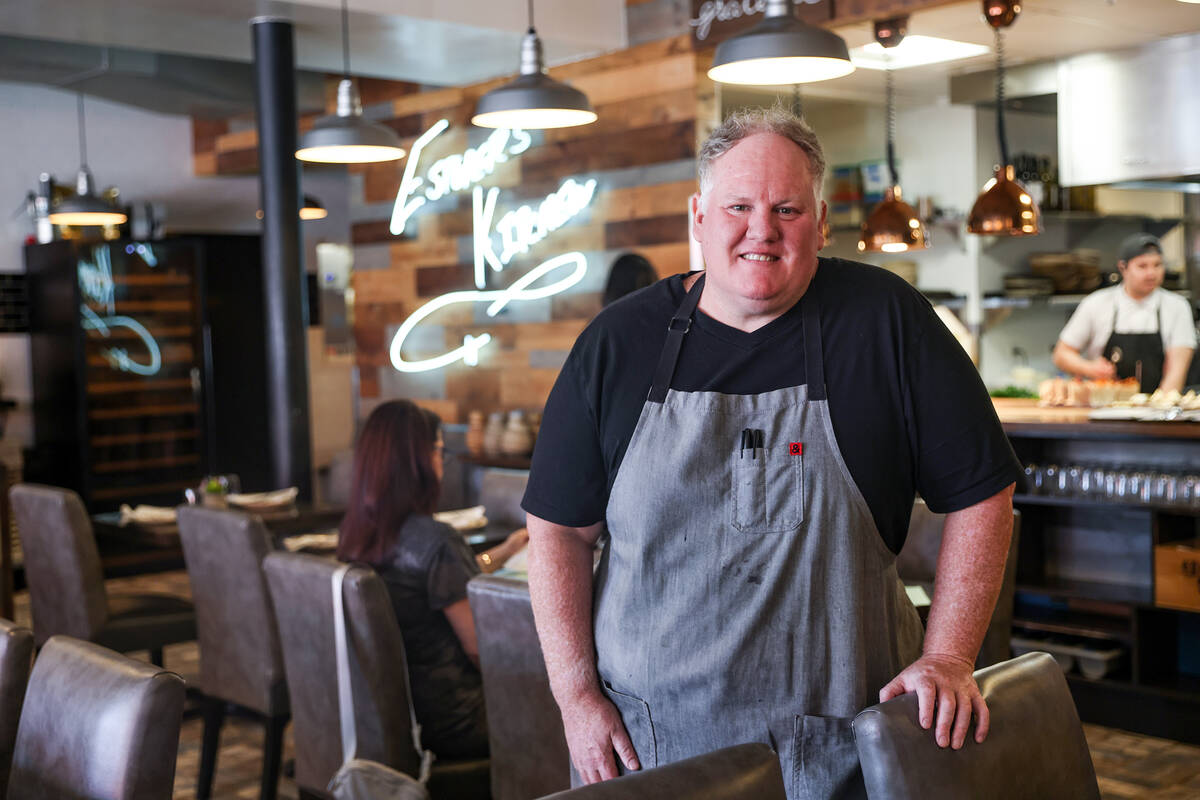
780 50
915 51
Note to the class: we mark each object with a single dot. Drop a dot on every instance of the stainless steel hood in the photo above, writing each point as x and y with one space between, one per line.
1123 116
1130 115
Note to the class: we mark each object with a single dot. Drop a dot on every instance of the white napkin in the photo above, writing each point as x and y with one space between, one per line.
150 515
317 541
463 519
519 562
278 497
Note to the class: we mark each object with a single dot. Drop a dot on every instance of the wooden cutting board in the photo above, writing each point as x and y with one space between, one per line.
1020 410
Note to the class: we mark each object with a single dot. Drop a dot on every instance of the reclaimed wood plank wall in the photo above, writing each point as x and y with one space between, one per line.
641 152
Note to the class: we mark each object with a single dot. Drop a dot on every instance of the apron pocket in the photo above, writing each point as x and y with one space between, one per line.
768 491
635 713
825 760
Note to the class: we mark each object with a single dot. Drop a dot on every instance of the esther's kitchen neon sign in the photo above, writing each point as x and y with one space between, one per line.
495 245
454 173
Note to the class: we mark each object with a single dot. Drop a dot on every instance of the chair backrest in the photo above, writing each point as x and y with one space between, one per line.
917 563
62 565
529 755
742 772
240 656
16 658
97 725
302 595
1035 746
500 493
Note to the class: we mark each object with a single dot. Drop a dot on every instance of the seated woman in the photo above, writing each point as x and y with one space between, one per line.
426 566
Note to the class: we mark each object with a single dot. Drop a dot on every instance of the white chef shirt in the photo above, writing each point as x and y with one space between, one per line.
1092 323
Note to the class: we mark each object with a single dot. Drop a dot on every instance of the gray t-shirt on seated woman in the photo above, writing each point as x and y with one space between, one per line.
428 570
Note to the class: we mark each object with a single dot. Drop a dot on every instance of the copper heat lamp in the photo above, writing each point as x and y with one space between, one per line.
892 226
1004 208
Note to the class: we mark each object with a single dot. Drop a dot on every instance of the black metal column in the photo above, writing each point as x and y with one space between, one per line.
283 255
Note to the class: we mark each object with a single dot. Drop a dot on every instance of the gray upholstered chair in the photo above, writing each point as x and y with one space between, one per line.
66 584
16 658
500 492
96 725
525 731
917 564
241 661
1035 746
301 592
742 772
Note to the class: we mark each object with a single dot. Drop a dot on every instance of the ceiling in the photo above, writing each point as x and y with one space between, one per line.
1046 29
435 42
176 51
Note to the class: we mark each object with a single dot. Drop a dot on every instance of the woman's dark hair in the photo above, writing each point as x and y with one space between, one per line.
393 477
628 273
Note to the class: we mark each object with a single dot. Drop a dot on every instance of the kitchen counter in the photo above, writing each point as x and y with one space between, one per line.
1026 418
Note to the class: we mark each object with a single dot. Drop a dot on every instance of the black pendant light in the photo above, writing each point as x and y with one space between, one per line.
1004 208
85 208
346 137
781 49
533 100
892 226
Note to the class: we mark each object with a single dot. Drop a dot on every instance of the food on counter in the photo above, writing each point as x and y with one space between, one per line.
1074 392
1163 400
1015 391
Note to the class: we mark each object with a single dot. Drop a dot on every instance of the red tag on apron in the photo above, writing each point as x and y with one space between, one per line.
796 448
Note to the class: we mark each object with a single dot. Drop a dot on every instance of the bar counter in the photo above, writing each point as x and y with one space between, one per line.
1105 572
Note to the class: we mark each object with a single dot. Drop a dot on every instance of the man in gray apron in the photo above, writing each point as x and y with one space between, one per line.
745 592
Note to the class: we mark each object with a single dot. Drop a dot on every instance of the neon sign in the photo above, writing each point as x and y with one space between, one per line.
523 227
97 286
514 234
454 173
468 353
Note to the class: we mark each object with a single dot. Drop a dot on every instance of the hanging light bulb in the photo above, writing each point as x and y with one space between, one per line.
781 49
892 226
1004 208
85 208
346 137
533 100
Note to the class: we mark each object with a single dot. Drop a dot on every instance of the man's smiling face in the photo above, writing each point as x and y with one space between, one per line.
759 227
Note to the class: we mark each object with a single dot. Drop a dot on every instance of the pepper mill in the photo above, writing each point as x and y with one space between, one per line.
475 433
517 440
493 433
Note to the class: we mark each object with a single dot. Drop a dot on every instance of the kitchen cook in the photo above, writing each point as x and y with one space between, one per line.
1134 329
752 438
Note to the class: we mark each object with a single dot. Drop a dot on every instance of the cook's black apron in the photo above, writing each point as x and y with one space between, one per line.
1126 350
745 594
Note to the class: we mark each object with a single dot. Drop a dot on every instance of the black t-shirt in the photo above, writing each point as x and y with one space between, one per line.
427 571
909 410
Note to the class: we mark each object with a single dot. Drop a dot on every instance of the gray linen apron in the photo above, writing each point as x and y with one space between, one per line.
746 594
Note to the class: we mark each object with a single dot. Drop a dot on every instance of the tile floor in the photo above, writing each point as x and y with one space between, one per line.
1128 765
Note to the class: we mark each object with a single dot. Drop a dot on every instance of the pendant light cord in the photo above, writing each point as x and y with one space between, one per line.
345 40
82 133
1001 136
529 5
891 119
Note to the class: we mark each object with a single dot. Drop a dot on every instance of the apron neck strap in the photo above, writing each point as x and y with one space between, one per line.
814 364
681 323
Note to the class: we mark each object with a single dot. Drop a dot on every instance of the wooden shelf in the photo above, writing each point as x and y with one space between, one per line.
1085 502
145 463
112 440
146 385
144 411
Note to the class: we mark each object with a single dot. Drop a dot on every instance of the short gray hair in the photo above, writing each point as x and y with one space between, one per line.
750 121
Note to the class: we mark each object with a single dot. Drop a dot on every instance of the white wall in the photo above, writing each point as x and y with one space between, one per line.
149 156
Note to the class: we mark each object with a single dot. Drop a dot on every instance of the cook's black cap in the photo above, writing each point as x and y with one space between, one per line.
1136 245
